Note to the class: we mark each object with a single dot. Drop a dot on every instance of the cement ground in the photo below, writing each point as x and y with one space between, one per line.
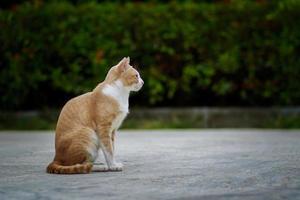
181 164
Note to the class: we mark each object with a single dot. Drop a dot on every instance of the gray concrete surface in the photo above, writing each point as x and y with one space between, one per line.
199 164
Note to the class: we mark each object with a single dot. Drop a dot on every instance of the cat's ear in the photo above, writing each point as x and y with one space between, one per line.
123 65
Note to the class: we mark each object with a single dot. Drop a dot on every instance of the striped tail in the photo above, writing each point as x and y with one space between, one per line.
56 168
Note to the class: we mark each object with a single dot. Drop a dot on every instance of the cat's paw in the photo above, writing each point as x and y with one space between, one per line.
116 167
100 168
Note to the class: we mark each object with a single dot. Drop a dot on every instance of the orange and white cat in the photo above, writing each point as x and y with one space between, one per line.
89 122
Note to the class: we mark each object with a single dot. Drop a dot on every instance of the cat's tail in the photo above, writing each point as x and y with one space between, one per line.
56 168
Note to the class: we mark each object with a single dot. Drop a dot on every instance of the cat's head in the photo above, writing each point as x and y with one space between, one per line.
124 74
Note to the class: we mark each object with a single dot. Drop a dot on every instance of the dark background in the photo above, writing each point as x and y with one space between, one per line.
190 53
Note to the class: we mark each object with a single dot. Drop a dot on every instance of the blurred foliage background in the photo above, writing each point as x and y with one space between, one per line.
190 53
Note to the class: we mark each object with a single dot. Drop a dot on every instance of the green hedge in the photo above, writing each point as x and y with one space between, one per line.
241 53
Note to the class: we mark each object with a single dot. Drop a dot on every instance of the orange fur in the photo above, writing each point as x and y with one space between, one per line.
83 117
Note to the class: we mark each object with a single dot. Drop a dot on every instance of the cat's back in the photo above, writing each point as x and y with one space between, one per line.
76 112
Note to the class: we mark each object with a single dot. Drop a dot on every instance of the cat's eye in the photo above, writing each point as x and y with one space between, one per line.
136 76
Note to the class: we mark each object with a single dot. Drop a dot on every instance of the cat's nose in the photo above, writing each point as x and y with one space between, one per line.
142 82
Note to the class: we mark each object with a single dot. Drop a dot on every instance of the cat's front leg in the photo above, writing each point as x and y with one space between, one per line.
107 148
113 134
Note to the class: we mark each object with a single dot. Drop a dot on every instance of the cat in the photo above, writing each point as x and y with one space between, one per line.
89 122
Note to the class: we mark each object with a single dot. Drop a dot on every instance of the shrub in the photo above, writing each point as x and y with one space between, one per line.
241 53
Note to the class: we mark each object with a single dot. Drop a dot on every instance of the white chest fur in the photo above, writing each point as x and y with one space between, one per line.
118 92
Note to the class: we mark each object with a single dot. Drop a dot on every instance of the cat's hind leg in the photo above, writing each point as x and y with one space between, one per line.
75 152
